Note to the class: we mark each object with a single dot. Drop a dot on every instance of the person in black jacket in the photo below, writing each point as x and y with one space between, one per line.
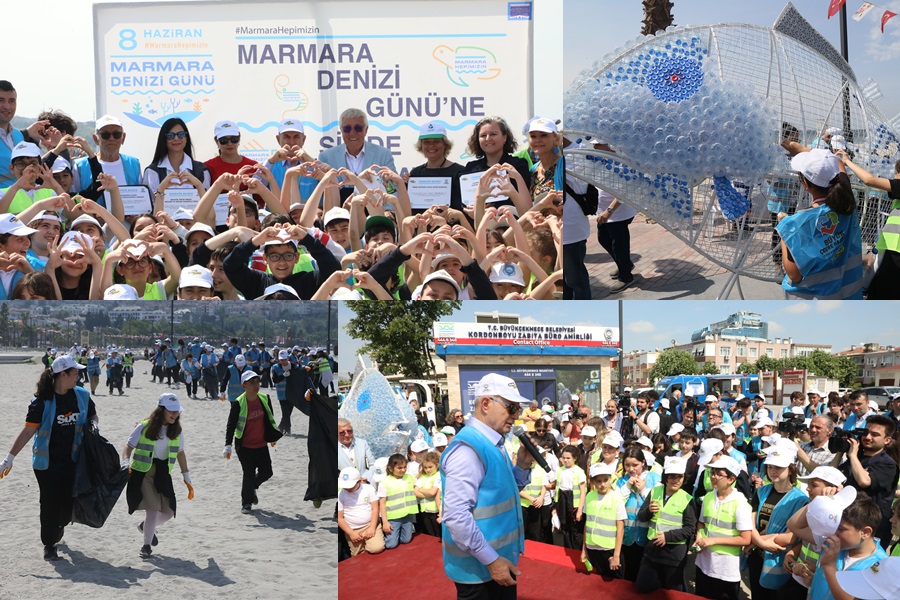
251 425
280 244
665 554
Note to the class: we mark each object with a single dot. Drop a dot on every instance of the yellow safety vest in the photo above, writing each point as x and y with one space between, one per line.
600 520
721 523
142 458
670 515
401 497
534 486
428 505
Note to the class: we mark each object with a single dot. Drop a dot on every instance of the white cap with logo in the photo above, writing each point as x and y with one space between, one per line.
494 384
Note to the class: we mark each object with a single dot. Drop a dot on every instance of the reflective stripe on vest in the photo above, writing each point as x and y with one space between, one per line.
534 486
721 523
671 514
600 521
577 479
429 504
497 513
40 451
142 458
401 497
890 233
242 415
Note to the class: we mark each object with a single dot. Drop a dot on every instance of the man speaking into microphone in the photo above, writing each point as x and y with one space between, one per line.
483 534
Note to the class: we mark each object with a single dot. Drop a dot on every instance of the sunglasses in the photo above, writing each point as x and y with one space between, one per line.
512 409
356 128
180 135
116 135
230 139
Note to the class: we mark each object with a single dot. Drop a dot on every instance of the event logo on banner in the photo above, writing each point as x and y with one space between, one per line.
524 335
404 64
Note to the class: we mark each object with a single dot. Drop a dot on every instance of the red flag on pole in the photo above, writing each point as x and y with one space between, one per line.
835 7
886 17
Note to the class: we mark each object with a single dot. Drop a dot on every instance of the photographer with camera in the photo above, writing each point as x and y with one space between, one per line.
870 469
646 421
816 452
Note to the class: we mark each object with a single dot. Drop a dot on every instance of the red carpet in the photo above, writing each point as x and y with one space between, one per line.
547 571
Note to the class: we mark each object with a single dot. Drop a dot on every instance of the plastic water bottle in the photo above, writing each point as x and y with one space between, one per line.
587 564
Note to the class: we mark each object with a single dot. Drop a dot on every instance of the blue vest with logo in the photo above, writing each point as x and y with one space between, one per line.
819 588
281 386
40 451
234 383
496 512
773 574
636 531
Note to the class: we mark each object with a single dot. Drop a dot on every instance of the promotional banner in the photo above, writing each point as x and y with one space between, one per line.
525 335
403 63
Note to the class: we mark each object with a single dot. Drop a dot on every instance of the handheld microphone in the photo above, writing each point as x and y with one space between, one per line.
520 432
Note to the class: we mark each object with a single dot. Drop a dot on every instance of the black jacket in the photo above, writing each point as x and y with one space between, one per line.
270 433
252 283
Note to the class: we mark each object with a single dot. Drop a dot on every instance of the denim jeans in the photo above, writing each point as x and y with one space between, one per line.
616 240
576 281
401 532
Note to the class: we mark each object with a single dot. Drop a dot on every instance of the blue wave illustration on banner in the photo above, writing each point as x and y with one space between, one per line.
186 116
334 124
157 93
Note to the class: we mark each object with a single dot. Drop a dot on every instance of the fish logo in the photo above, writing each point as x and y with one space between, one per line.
827 223
465 62
364 402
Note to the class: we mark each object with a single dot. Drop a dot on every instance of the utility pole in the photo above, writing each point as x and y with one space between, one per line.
621 351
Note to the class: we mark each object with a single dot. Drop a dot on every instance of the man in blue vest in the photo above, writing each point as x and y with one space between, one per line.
290 153
109 137
482 524
10 136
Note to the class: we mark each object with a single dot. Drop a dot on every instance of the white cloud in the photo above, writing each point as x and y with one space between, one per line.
775 327
529 321
884 46
827 307
797 308
641 327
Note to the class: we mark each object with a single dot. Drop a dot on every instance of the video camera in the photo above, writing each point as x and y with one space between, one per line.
792 425
691 403
839 440
624 402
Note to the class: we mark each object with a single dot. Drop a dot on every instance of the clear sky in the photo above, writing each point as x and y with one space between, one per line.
594 28
648 324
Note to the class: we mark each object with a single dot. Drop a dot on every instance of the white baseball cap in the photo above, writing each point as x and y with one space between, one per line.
674 465
283 238
814 391
10 223
65 362
248 375
644 441
183 214
440 258
797 410
106 121
419 445
442 275
881 580
336 214
824 513
780 456
542 124
588 431
198 226
69 242
710 398
494 384
278 287
439 439
432 130
348 478
227 129
283 355
503 272
45 215
170 402
675 429
818 166
25 150
448 430
379 469
727 463
343 293
827 474
60 165
195 275
612 441
664 403
764 422
290 125
727 428
602 468
120 291
85 219
240 361
708 448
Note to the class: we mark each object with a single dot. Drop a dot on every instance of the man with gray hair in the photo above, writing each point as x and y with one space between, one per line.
815 452
356 154
353 452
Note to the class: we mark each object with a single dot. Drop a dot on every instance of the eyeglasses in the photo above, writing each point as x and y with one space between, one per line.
285 256
230 139
133 264
346 432
116 135
512 409
356 128
21 164
180 135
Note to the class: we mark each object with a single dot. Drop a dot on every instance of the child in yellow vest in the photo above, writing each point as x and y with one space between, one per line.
571 488
726 523
397 503
604 525
428 491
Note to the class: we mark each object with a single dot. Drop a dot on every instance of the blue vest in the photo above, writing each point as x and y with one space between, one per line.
169 358
40 451
190 368
281 385
6 176
6 293
252 356
234 383
196 351
306 185
130 165
208 361
93 365
230 353
636 531
496 512
773 574
827 248
819 588
265 359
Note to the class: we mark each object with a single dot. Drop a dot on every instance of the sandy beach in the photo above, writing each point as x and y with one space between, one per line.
284 549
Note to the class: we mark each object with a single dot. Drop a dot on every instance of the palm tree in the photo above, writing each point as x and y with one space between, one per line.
657 16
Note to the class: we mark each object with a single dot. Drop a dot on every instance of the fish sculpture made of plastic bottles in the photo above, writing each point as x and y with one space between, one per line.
379 416
686 127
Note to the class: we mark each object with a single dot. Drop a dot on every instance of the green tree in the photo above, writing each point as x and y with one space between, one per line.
398 334
747 367
766 363
708 368
673 362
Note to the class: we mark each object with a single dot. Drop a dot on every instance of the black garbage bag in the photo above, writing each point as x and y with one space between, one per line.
99 480
322 447
295 389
